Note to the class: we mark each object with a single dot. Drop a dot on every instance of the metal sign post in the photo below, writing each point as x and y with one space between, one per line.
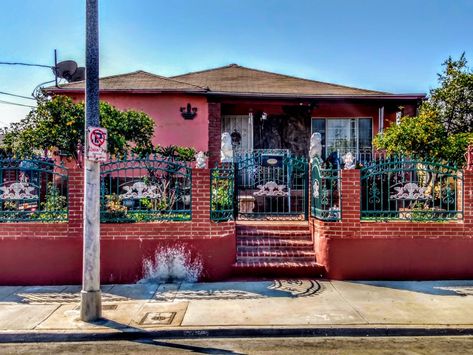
91 307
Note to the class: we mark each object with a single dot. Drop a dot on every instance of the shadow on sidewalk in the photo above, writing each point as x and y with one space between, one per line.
440 288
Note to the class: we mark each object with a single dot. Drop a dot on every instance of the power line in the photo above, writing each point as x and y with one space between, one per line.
15 103
21 96
27 64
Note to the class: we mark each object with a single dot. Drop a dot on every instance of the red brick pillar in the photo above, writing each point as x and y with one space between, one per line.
468 197
201 196
215 128
351 191
76 201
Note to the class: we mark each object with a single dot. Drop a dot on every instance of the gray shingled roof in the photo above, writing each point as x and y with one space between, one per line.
237 79
231 79
138 80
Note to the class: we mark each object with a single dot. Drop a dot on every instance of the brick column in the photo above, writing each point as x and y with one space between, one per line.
201 196
215 127
76 197
468 196
351 195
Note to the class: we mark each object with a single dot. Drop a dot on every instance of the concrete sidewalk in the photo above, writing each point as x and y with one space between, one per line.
199 307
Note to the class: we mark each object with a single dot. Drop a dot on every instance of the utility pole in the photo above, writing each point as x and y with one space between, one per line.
91 303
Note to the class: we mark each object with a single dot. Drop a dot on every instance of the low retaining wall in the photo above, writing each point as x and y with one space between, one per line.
51 253
354 249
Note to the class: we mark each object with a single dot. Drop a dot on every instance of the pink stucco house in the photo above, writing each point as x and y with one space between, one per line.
268 110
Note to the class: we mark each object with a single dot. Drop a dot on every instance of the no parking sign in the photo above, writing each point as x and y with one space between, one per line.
97 143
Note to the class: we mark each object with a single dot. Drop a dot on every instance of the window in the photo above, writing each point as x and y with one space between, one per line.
343 135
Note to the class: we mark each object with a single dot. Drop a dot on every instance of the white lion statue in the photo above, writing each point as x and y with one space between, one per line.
201 160
315 149
226 149
349 161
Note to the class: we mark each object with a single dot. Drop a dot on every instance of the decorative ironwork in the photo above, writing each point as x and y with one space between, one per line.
326 196
140 190
148 188
32 190
222 181
410 189
271 189
271 184
19 191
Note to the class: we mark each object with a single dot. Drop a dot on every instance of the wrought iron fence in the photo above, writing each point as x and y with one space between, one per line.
325 191
411 189
33 190
222 187
145 188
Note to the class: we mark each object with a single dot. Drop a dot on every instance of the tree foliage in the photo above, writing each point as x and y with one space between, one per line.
443 127
58 124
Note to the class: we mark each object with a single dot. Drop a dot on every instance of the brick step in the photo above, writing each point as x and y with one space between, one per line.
269 248
276 227
275 259
278 269
274 242
277 253
273 233
276 265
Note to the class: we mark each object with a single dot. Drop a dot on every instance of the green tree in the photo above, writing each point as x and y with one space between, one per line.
452 101
58 123
444 126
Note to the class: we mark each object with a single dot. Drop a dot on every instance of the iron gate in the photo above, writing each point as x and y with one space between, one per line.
271 184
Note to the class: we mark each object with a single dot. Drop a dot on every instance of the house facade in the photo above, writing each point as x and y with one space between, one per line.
262 110
270 211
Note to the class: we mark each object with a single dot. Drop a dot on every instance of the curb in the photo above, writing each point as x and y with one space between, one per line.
133 334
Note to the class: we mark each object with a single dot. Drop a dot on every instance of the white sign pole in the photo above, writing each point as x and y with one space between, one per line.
91 303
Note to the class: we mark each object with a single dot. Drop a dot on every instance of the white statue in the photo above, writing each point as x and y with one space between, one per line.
315 149
226 150
201 160
349 161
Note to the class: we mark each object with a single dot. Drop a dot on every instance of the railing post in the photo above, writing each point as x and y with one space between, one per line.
351 191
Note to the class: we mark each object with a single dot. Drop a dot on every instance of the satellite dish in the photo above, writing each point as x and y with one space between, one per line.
79 74
65 69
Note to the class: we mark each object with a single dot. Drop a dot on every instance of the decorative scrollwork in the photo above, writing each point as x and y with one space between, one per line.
374 193
271 189
140 190
410 191
18 191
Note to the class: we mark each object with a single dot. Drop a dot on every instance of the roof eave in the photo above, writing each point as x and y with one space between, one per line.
413 96
131 91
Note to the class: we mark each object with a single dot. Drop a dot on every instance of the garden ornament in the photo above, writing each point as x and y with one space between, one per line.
201 160
226 149
349 161
315 149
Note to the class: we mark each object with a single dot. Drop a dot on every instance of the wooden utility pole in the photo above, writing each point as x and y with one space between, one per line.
91 307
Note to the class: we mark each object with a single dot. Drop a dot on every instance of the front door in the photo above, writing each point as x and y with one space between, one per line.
271 185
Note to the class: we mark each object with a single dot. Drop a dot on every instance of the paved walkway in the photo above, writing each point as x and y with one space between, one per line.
278 303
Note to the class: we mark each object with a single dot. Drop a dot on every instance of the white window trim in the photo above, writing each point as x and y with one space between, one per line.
357 118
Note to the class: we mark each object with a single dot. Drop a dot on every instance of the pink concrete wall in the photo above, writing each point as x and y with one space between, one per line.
171 127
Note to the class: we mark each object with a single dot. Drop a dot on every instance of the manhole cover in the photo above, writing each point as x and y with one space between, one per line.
155 318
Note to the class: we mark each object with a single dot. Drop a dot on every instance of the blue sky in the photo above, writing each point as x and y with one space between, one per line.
395 46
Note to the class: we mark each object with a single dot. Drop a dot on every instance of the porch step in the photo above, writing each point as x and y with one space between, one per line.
279 269
274 233
275 249
274 242
276 256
